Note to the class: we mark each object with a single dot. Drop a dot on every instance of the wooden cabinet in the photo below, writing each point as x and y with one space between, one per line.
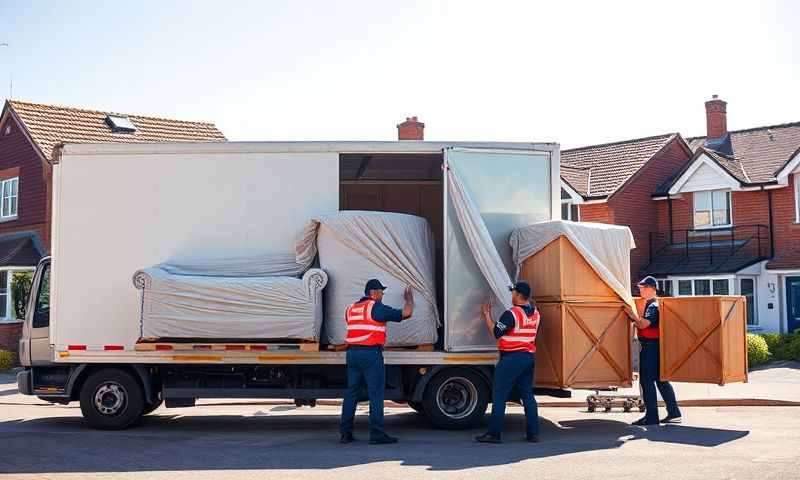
583 345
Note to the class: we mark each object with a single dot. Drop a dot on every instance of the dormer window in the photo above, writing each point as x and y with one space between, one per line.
120 124
712 209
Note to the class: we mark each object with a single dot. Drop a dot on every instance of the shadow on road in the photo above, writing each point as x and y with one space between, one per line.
169 442
10 391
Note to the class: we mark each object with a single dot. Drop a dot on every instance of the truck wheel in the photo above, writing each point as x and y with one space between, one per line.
456 399
111 399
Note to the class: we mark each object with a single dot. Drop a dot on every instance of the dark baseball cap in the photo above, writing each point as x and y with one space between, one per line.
648 281
373 284
522 287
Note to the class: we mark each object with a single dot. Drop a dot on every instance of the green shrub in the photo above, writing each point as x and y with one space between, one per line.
757 350
789 349
773 340
7 359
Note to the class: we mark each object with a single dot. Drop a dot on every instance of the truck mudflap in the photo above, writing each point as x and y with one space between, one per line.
24 383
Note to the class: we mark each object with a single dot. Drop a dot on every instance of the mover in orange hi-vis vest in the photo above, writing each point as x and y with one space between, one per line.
516 339
366 334
649 372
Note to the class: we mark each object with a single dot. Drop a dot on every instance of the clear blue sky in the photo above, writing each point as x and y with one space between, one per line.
576 73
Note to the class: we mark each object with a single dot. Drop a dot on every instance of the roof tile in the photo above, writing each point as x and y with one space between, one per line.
49 125
758 153
600 170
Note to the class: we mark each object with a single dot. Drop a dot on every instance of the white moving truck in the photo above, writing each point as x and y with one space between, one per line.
121 207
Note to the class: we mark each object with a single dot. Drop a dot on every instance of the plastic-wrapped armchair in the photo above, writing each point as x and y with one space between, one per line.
203 307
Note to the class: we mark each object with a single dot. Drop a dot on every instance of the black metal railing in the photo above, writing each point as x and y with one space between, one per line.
744 242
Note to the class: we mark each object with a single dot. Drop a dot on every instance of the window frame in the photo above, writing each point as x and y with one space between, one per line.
662 287
570 205
6 183
710 193
710 279
754 303
796 198
9 300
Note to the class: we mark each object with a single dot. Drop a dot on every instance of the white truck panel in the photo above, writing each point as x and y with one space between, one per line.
117 212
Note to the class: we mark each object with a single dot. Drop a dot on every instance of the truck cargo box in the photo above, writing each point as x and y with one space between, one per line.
119 208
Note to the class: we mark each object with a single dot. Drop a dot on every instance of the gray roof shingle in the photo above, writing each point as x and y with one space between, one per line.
758 153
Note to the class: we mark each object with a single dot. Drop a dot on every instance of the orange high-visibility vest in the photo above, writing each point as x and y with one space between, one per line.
361 328
521 338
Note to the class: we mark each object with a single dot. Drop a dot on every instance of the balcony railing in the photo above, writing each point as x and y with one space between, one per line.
716 247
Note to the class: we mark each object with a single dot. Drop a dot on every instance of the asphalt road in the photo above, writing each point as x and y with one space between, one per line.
243 441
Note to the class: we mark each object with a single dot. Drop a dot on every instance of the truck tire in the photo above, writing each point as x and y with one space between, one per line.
111 399
456 399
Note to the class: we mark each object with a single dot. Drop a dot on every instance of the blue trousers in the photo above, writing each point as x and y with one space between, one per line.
649 380
514 369
364 365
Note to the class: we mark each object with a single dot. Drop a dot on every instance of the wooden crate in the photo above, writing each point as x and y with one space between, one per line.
703 339
583 345
559 273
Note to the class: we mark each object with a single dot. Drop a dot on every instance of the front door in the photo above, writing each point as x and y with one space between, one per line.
792 303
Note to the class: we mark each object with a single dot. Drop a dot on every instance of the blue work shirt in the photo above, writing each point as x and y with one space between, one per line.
384 313
507 321
651 312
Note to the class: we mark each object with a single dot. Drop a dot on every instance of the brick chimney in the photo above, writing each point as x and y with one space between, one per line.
716 118
411 129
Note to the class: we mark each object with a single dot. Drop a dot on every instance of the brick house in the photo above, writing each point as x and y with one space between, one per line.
729 220
28 134
712 215
614 182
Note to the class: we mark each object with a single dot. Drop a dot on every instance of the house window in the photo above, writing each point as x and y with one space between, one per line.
747 288
569 211
704 286
8 310
797 198
721 287
9 193
665 288
684 287
4 274
712 209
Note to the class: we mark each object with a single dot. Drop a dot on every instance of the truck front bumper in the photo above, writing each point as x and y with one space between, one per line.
24 382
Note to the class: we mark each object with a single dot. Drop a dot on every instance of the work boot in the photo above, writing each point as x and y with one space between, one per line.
488 438
672 419
532 438
382 440
644 421
347 438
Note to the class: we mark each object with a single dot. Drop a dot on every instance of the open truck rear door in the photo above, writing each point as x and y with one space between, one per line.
510 188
